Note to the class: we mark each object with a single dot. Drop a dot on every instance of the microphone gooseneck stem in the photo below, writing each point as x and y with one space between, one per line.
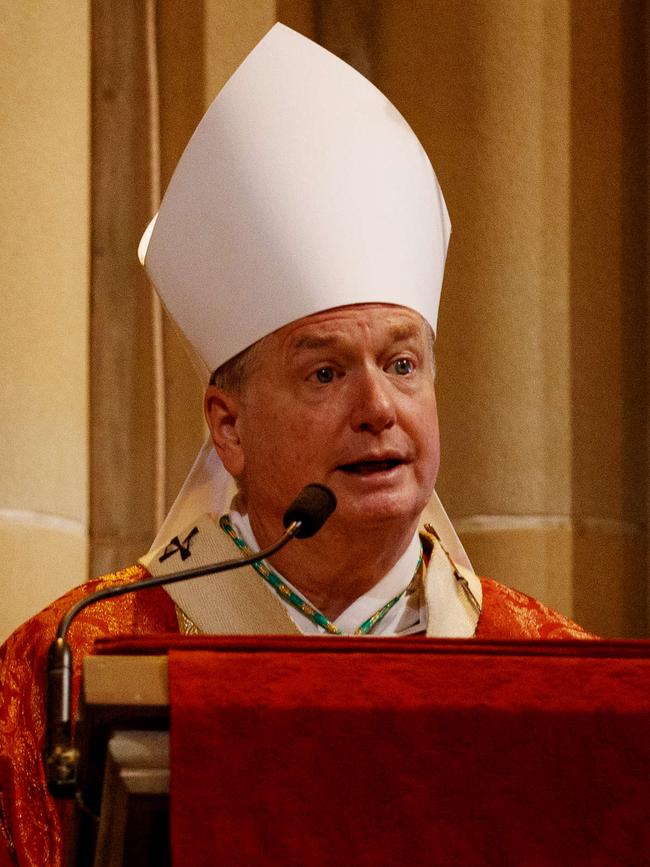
61 756
197 572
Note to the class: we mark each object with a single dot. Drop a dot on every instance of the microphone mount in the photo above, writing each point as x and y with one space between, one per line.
304 517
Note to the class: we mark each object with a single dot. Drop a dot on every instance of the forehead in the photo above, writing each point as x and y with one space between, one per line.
377 322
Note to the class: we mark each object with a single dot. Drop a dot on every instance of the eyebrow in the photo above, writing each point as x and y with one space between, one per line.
405 331
314 341
396 334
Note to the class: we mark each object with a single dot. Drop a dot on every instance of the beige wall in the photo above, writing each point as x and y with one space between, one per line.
488 93
44 164
534 117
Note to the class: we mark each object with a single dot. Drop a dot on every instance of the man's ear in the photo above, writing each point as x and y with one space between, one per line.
222 413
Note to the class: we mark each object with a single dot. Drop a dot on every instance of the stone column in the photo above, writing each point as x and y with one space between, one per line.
122 411
609 347
44 213
486 92
533 116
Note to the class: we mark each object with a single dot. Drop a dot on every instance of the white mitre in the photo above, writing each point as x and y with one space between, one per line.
302 189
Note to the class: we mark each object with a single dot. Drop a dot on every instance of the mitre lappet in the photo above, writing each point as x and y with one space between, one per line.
302 189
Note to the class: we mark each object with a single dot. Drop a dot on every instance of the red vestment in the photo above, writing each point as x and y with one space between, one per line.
30 821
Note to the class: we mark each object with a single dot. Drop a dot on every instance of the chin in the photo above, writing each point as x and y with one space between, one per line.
381 511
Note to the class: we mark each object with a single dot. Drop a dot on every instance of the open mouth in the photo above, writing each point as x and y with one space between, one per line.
365 468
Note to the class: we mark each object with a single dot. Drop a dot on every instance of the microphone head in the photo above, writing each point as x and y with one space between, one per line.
312 507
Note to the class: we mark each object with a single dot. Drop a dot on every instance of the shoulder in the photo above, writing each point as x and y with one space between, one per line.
151 610
29 820
510 614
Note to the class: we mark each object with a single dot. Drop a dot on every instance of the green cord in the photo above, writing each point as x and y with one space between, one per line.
300 604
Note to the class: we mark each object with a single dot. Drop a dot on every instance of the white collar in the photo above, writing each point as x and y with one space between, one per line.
394 581
242 603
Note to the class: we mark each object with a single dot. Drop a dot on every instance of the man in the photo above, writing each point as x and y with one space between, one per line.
300 249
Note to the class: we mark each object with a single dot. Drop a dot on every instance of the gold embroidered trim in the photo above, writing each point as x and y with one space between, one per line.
464 583
186 625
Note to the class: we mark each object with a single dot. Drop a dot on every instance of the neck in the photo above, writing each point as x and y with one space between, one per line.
340 563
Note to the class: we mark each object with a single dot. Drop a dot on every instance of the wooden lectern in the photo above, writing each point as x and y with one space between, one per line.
291 751
123 803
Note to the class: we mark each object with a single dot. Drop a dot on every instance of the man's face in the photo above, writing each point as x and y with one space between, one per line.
345 398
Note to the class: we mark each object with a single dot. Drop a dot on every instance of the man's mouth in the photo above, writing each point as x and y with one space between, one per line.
369 467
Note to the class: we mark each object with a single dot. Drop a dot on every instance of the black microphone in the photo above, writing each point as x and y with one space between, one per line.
311 508
304 517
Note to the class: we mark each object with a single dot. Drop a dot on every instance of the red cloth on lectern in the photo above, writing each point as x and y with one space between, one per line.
413 755
30 827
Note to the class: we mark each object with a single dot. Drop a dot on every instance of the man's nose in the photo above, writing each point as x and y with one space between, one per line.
373 407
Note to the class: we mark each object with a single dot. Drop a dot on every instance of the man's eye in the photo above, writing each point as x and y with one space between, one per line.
325 375
403 366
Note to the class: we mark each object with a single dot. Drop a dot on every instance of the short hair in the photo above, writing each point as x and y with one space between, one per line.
232 375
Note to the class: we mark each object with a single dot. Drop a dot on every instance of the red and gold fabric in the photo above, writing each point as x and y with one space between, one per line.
30 821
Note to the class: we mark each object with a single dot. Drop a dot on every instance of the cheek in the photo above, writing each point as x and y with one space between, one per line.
430 450
429 438
275 444
435 458
301 447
